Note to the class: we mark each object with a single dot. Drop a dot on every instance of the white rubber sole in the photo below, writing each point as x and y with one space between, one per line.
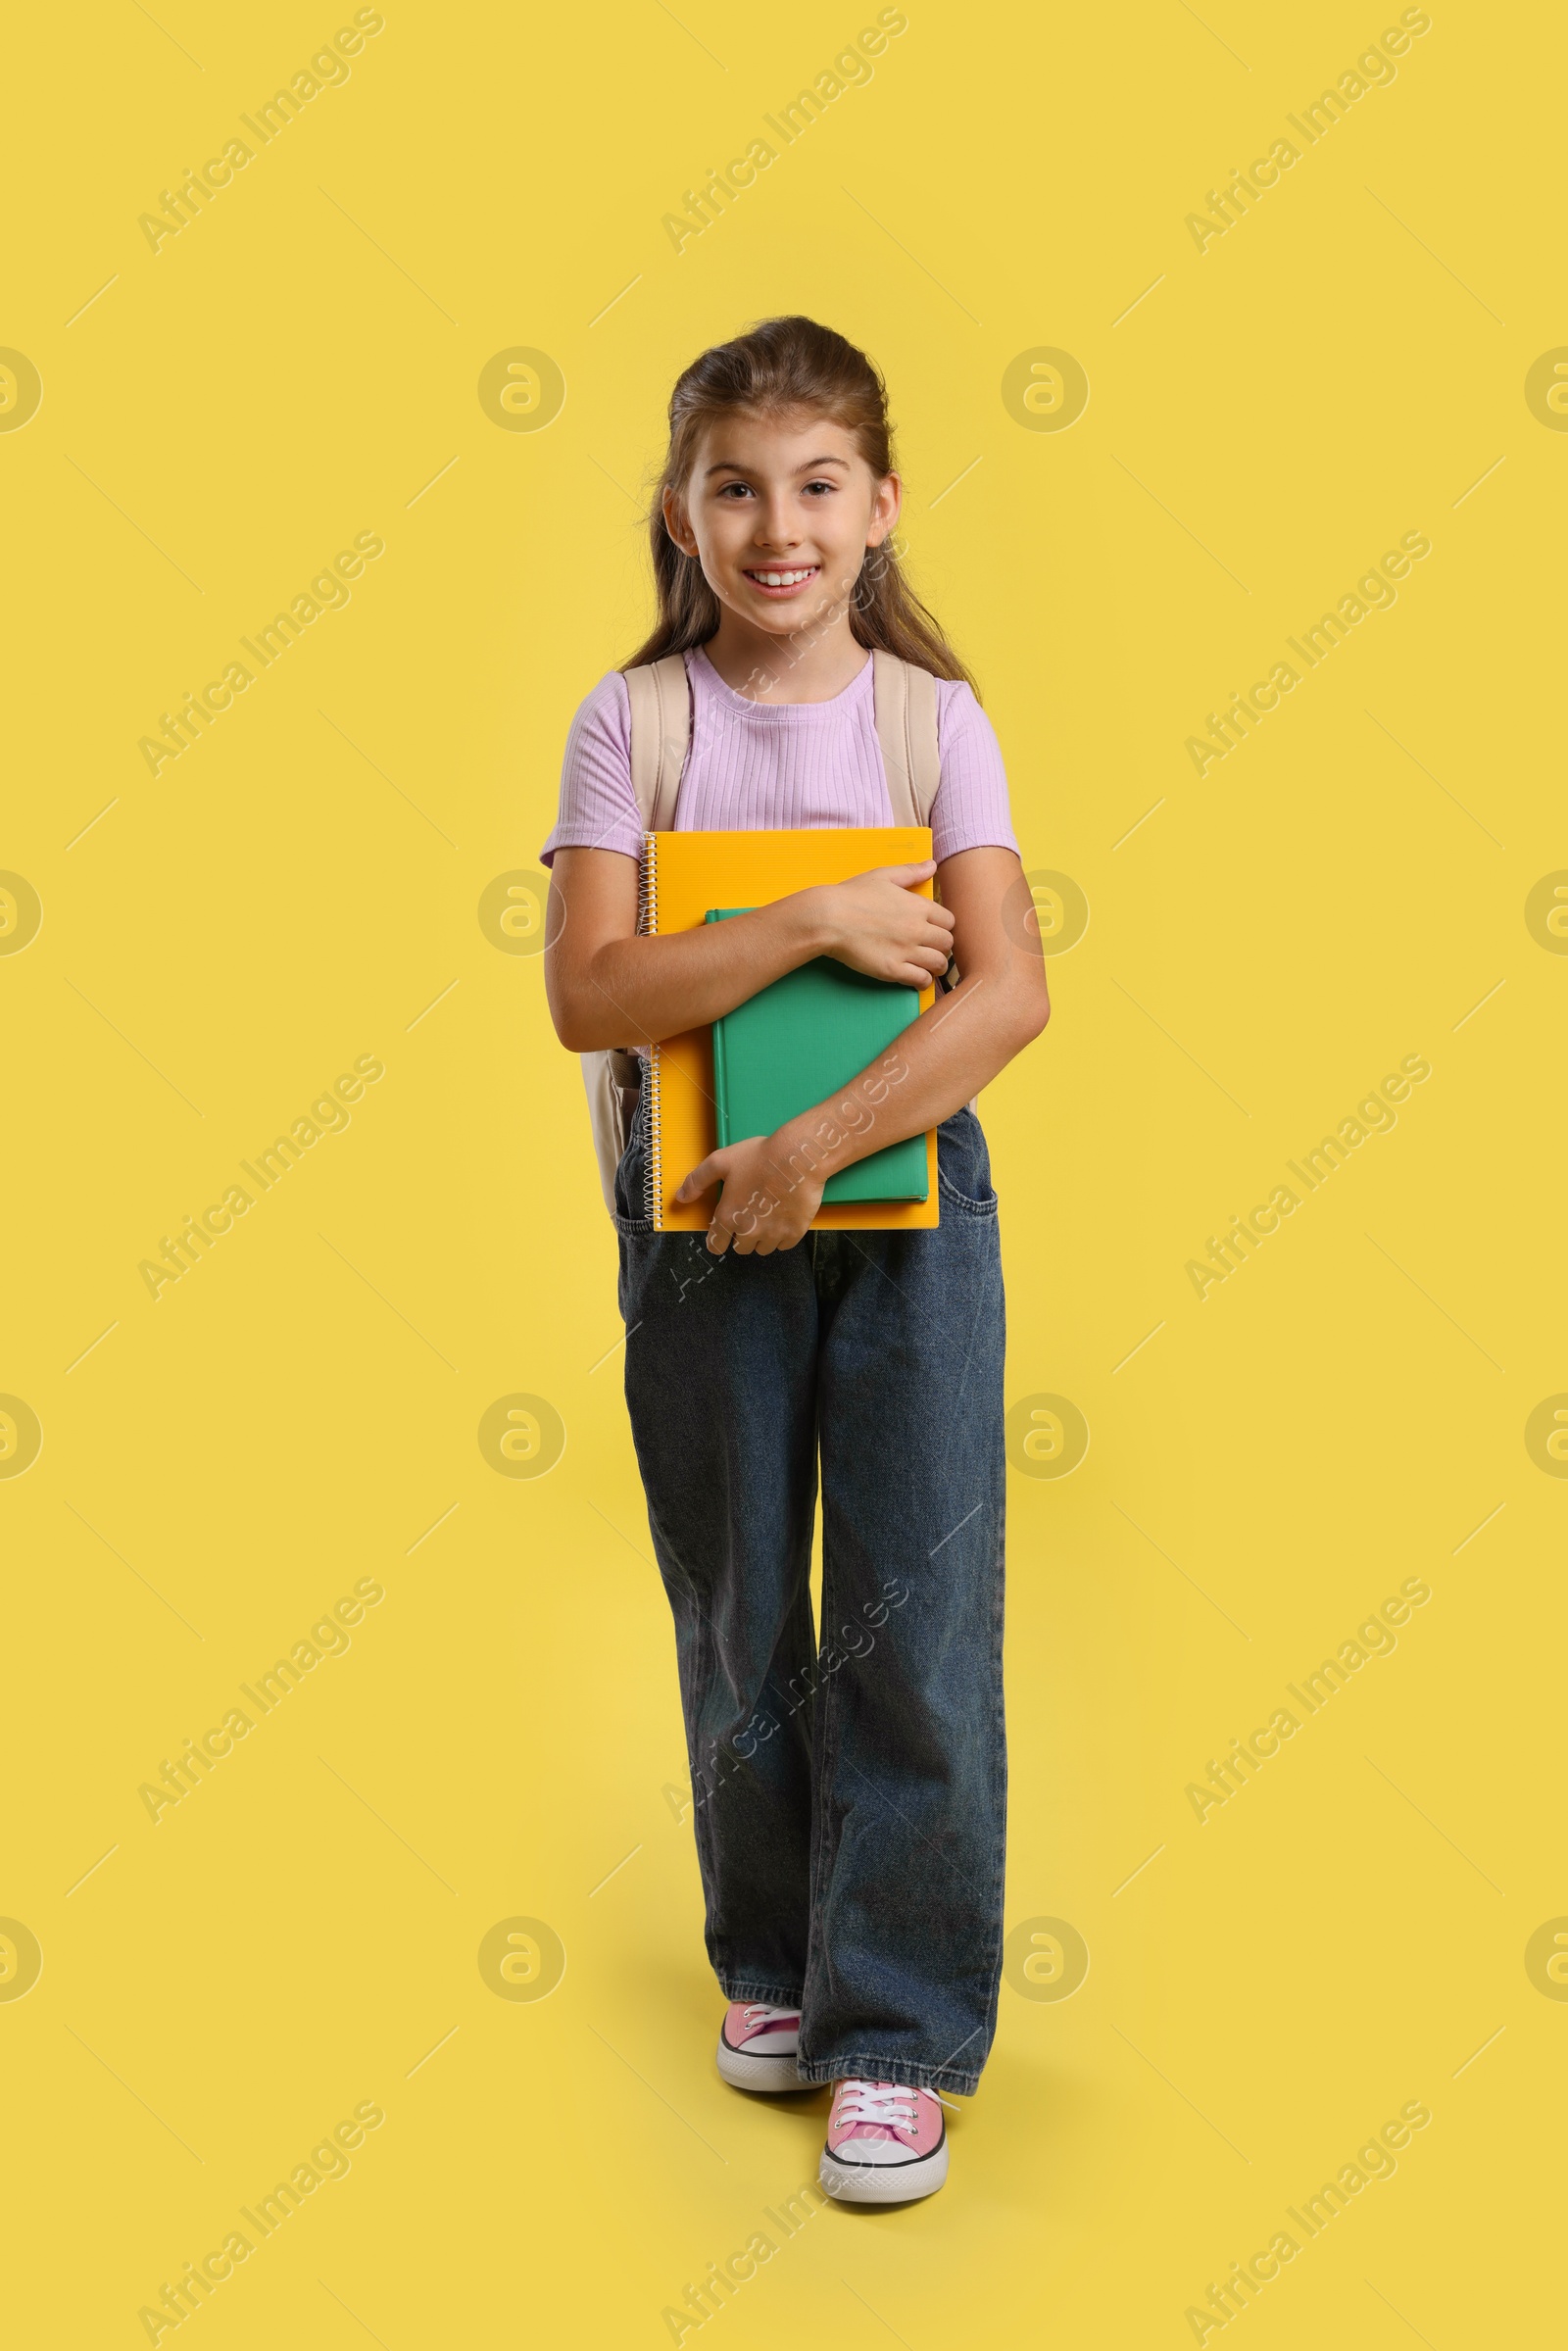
884 2183
741 2071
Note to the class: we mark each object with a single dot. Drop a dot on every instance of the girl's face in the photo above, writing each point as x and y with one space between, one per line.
779 512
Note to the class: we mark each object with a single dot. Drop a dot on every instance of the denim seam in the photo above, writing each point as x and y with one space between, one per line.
753 1987
998 1769
821 1717
702 1825
823 1750
867 2066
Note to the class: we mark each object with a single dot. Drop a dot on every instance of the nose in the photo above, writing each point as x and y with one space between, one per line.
776 528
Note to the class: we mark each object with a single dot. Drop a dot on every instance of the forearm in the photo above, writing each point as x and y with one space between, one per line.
642 990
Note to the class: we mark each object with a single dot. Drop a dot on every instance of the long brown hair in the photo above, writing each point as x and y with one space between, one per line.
781 365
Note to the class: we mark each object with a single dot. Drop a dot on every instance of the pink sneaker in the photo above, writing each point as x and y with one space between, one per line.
886 2145
756 2045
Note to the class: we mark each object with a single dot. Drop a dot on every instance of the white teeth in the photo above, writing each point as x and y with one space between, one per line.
783 579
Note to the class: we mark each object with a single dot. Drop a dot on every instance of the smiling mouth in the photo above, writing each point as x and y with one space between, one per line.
782 579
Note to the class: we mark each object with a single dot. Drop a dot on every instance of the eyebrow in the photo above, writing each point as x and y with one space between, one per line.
815 465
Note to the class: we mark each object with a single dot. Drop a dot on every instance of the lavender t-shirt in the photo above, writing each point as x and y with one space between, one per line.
776 766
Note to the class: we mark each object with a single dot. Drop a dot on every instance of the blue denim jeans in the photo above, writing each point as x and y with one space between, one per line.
849 1786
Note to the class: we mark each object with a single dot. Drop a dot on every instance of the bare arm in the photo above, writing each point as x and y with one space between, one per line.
607 986
772 1185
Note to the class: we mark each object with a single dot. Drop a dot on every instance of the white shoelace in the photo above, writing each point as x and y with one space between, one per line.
891 2104
757 2012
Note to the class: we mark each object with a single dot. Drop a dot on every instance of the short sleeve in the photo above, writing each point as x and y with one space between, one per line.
598 808
970 810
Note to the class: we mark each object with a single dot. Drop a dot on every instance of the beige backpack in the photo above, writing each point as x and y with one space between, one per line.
905 702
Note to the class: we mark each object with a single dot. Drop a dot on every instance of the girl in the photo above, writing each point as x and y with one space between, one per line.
849 1799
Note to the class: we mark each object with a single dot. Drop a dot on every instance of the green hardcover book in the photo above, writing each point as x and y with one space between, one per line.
801 1040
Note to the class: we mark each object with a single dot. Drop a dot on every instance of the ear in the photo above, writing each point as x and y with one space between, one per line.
885 509
675 522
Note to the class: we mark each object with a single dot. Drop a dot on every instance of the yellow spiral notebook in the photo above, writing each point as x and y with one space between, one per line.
684 875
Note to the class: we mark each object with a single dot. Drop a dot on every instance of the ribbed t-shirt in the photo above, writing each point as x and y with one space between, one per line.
777 767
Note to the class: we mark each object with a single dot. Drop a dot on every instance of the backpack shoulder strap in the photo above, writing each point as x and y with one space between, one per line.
660 737
905 700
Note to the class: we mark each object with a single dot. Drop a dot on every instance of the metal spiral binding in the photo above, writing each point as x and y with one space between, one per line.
648 926
648 888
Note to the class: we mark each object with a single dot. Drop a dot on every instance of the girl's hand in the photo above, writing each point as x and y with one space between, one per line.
768 1200
876 925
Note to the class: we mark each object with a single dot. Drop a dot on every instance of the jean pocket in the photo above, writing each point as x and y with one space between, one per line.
963 1165
630 1212
631 1227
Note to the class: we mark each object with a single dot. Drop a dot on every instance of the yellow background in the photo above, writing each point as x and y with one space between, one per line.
301 363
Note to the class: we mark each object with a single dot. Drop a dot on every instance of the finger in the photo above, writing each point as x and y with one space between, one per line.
738 1219
702 1176
903 877
943 917
930 954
